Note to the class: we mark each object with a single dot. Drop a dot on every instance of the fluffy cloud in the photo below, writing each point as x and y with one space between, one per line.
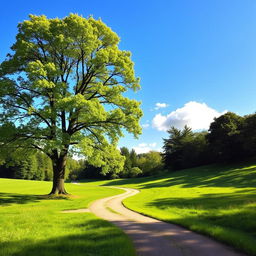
160 105
145 125
145 147
193 114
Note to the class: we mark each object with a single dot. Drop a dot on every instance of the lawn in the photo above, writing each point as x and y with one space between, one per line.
219 201
34 225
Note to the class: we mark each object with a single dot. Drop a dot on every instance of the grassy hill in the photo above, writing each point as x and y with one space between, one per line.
32 224
219 201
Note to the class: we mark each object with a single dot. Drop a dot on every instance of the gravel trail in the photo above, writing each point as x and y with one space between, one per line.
153 237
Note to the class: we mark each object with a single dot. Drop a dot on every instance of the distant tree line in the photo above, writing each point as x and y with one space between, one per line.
38 166
230 138
136 165
35 166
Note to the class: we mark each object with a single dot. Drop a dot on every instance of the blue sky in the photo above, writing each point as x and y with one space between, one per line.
198 57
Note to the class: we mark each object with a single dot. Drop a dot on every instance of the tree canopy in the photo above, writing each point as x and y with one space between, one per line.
62 91
224 136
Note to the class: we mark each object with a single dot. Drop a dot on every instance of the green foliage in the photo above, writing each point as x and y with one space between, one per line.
248 135
61 90
133 157
150 163
135 172
140 165
74 168
91 172
127 164
185 148
27 169
224 136
36 166
44 166
134 166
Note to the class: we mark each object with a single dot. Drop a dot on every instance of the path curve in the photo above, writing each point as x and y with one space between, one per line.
153 237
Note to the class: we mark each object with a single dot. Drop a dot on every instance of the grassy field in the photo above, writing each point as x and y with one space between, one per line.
217 201
34 225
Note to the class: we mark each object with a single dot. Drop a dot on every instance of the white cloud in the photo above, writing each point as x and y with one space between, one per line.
160 105
193 114
145 147
145 125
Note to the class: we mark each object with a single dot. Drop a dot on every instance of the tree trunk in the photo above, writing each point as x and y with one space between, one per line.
59 166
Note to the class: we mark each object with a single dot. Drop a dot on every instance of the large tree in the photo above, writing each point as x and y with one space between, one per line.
62 91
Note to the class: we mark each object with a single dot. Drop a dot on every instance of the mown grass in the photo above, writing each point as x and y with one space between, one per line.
219 201
32 224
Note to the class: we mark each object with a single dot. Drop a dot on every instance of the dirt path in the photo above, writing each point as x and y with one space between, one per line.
152 237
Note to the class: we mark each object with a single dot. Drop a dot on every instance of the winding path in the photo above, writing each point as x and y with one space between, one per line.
152 237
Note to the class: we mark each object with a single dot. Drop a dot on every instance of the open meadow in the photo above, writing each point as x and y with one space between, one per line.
32 224
218 201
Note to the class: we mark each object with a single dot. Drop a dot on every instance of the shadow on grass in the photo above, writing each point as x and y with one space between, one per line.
109 241
232 210
206 176
12 198
184 242
208 201
98 238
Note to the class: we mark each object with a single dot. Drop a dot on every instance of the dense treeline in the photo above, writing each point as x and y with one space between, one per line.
136 165
38 166
229 138
185 149
35 166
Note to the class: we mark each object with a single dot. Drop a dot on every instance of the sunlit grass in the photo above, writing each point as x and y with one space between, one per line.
219 201
34 225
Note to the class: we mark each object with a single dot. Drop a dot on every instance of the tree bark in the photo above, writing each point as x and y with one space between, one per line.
59 166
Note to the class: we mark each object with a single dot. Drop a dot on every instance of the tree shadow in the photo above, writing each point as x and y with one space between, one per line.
128 181
204 176
99 238
102 239
232 210
7 199
87 243
208 201
184 242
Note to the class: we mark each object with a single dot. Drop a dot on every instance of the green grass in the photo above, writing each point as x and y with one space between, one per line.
219 201
34 225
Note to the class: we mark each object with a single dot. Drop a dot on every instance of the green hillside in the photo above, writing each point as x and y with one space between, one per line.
219 201
32 224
